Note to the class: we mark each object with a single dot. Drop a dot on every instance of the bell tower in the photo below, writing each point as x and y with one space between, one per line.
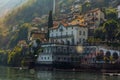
54 6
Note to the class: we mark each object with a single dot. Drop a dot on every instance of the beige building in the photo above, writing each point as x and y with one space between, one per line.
94 18
35 33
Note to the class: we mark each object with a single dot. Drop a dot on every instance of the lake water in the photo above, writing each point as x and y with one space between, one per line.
16 74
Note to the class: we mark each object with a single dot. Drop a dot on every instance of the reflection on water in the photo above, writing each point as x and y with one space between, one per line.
15 74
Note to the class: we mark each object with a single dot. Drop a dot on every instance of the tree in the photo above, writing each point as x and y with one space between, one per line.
50 20
21 34
110 29
34 49
111 13
15 56
50 23
118 33
98 33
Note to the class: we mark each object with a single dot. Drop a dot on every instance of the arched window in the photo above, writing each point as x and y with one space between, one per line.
100 55
115 55
101 52
108 54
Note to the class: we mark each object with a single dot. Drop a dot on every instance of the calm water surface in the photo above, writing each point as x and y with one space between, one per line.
15 74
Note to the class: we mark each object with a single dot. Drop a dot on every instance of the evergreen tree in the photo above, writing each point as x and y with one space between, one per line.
110 29
50 20
50 23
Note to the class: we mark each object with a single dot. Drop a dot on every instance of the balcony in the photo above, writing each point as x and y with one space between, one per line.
62 36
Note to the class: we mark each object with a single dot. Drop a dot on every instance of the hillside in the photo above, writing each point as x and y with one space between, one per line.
37 8
21 15
33 8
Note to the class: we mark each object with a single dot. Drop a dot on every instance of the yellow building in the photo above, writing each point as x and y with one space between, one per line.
78 20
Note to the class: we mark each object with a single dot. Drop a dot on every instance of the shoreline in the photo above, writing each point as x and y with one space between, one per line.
46 68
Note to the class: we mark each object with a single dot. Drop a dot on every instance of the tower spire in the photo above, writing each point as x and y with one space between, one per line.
54 5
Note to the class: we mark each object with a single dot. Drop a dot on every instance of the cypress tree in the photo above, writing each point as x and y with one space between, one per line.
50 23
50 20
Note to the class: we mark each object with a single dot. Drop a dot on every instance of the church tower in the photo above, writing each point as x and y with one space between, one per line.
54 6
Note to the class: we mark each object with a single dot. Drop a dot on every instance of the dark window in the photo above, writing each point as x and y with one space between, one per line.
96 13
52 35
72 32
115 55
66 33
83 40
83 32
56 34
66 28
79 40
108 54
44 57
79 32
58 58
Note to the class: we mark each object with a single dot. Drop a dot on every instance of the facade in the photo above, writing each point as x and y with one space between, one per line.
36 33
118 11
59 56
70 56
94 18
78 20
68 34
91 53
111 51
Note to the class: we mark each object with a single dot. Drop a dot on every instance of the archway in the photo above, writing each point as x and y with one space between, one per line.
100 55
115 56
107 56
101 52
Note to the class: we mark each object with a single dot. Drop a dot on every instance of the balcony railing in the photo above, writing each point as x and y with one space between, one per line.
61 36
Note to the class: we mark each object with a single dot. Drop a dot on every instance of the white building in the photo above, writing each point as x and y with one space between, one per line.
70 34
118 11
58 54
